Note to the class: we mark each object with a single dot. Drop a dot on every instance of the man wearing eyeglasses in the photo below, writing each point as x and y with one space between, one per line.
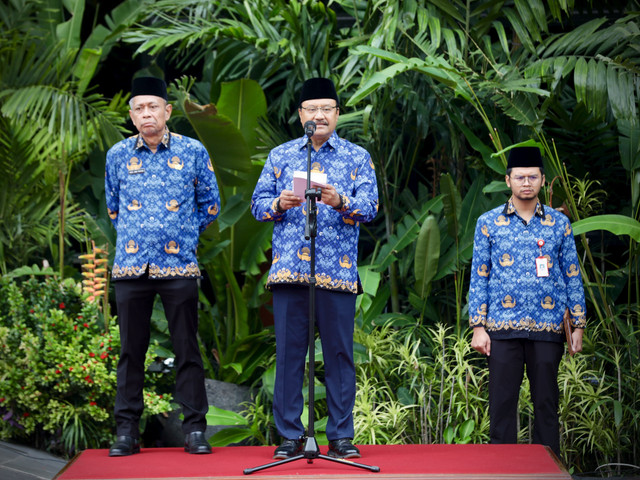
349 196
524 275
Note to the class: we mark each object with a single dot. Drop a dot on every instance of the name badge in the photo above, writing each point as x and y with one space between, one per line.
134 172
542 267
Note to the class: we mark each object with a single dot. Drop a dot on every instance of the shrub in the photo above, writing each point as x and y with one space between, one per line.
58 367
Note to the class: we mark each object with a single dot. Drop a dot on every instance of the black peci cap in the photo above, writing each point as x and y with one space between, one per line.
524 157
318 88
149 86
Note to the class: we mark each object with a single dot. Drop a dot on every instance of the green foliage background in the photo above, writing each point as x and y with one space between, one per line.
437 91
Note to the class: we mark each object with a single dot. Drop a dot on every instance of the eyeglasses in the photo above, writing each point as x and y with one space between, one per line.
313 109
520 179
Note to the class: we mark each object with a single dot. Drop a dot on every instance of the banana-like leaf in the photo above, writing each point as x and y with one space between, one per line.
69 31
370 280
452 205
406 233
230 435
616 224
629 143
243 102
85 67
227 148
427 255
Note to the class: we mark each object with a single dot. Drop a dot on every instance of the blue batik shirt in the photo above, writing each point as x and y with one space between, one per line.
159 204
506 296
350 170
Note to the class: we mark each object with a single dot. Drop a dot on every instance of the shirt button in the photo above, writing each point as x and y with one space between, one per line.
153 176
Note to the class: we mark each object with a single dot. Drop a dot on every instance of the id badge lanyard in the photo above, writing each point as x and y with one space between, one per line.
542 264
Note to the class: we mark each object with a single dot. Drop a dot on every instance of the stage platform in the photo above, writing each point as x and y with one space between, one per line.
396 462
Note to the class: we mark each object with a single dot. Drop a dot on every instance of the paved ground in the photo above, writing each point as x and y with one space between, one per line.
18 462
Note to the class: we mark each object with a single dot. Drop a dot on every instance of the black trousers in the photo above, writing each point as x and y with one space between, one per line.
134 300
506 371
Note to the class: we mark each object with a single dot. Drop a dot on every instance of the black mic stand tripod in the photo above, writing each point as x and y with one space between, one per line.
310 449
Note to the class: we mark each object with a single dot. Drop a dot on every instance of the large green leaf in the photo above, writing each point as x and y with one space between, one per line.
224 141
452 205
243 102
616 224
427 255
230 435
629 143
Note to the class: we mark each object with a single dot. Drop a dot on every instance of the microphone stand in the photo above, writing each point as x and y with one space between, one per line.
310 450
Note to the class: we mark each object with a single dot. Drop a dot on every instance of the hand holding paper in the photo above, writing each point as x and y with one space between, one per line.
318 180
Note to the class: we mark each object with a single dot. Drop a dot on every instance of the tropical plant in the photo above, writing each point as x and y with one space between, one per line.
437 92
45 87
58 367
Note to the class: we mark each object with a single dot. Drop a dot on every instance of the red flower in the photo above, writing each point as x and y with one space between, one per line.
25 414
92 354
58 371
102 344
86 324
88 379
60 365
104 355
75 327
61 306
1 399
71 369
32 311
92 403
79 317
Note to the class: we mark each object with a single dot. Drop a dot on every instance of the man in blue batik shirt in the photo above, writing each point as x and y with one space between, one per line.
349 197
161 194
525 273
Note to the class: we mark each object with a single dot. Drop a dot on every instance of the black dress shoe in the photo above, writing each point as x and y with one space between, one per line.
123 446
287 449
343 448
195 442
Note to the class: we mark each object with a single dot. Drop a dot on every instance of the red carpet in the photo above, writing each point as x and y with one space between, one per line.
397 462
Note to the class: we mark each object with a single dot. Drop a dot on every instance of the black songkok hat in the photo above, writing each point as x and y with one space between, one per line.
318 88
524 157
149 86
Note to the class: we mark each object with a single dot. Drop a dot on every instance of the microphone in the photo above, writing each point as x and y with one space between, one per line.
309 128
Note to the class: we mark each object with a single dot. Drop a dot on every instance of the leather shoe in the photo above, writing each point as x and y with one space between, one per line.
195 442
123 446
343 448
287 449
